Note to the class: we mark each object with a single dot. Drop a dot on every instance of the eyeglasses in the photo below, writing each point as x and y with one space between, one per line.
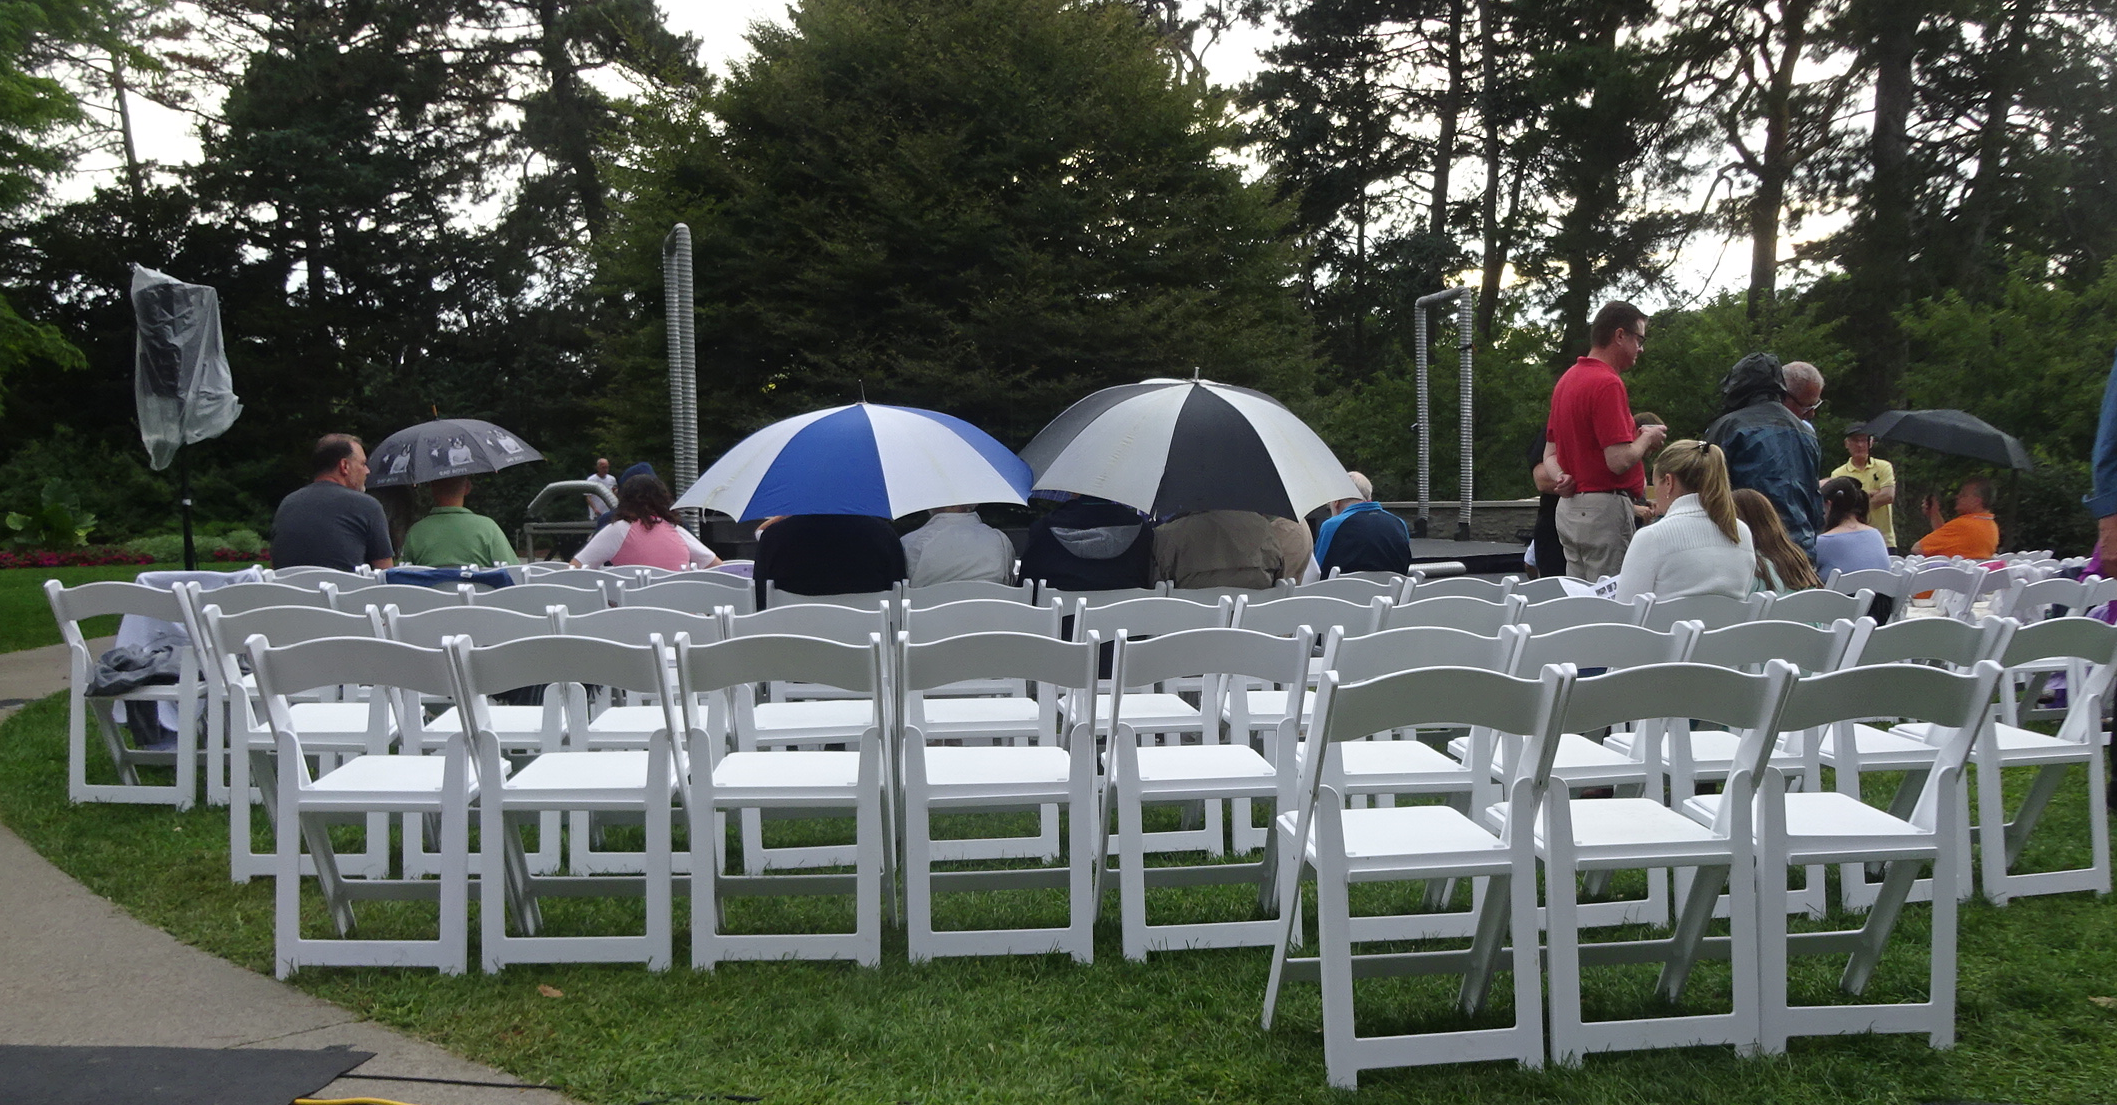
1810 410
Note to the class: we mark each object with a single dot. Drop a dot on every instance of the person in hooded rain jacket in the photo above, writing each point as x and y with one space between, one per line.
1090 544
1769 448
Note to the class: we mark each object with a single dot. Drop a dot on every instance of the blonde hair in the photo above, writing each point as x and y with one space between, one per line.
1772 542
1702 470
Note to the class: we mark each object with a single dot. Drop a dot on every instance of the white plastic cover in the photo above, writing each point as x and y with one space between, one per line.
180 375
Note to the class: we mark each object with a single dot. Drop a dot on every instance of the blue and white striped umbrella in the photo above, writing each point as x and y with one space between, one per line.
860 459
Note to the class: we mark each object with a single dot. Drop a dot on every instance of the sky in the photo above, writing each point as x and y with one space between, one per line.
1707 263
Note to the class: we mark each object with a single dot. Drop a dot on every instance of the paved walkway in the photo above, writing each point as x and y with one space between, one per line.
76 969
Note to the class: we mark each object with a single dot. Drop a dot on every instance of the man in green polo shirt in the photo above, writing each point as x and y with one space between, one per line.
452 536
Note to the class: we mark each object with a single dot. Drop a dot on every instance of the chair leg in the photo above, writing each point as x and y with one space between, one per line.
1770 873
1084 858
1881 920
867 881
1562 938
1991 825
1131 873
1334 946
455 888
918 881
1692 919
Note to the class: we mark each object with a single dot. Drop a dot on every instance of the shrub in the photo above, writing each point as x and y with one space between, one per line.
160 547
90 557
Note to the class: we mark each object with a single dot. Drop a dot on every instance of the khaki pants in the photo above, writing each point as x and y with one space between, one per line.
1595 527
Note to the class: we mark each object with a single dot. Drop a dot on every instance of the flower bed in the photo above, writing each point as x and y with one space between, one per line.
99 555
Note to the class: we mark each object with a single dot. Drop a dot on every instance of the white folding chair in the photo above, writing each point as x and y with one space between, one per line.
617 781
715 779
1951 586
945 778
963 590
1210 771
1211 596
1353 589
1420 843
536 598
404 596
2087 650
441 786
1576 837
1544 588
70 606
1419 589
694 595
1045 593
309 575
1556 614
1468 614
862 600
1853 748
1819 606
332 728
1820 827
587 579
241 598
1710 611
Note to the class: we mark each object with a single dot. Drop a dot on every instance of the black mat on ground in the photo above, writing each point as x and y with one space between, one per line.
167 1075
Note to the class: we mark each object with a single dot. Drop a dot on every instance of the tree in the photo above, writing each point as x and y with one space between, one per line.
989 206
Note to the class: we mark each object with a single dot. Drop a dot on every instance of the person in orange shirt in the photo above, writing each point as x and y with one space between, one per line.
1972 533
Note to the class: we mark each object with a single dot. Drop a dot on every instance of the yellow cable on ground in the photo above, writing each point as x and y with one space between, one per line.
346 1101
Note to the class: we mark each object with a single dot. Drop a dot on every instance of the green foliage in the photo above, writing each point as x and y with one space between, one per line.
1688 352
56 522
161 546
987 206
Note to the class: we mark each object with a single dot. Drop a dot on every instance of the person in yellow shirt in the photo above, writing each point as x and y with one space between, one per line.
1875 476
1971 533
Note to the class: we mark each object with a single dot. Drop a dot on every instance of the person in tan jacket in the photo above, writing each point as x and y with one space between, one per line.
1220 548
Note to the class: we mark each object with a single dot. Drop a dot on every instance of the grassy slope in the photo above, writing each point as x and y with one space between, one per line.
1180 1028
25 614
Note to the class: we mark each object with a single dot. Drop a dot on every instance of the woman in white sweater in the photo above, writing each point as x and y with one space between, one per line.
1698 547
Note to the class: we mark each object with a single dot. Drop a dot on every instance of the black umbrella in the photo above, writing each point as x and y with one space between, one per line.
443 448
1955 432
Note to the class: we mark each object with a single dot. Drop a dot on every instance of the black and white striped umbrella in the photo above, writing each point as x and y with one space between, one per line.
1168 446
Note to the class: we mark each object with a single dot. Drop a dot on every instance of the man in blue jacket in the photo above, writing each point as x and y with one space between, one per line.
1771 447
1361 536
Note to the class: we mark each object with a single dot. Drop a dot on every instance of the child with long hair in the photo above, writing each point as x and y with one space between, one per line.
1848 543
644 531
1781 566
1698 547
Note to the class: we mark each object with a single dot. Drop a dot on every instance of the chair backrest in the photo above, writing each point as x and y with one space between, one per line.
238 598
1471 615
954 619
540 661
1352 588
483 625
1146 616
307 575
1955 702
1713 611
404 596
634 625
1211 652
1393 579
69 605
703 667
1434 697
1210 595
1069 665
1574 610
535 598
2089 639
1935 640
1886 582
825 621
280 626
1954 580
1476 587
1819 606
1359 659
330 662
1099 598
2028 601
697 596
1601 645
1543 588
1750 645
1656 694
865 600
960 590
1318 613
590 578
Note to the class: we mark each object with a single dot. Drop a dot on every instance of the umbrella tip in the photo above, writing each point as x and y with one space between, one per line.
1196 373
863 389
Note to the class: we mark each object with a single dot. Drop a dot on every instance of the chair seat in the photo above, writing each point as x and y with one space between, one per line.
638 722
979 715
984 767
1154 713
1365 764
326 727
1712 750
1429 835
831 717
507 721
1579 762
787 771
1880 750
1620 823
2016 745
1825 823
615 774
382 781
1202 763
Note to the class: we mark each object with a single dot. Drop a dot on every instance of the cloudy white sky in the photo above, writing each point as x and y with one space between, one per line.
169 138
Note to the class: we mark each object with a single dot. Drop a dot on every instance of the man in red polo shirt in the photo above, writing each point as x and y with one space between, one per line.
1592 448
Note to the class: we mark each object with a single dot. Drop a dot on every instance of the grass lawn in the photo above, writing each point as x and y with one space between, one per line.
25 614
1182 1027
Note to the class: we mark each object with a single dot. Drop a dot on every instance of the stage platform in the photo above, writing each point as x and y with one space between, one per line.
1477 557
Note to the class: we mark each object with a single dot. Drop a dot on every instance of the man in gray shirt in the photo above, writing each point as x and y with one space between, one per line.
332 523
